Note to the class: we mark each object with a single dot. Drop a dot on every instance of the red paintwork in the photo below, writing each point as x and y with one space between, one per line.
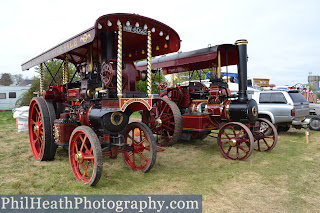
36 138
65 131
198 123
214 90
135 104
54 93
135 136
73 94
194 60
82 173
214 109
130 75
110 103
135 43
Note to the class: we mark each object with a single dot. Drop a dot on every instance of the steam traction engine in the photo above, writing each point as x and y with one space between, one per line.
90 116
192 110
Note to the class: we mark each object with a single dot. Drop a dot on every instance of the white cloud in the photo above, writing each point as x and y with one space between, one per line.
282 35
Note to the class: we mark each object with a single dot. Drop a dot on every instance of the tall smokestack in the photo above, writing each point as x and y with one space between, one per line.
107 45
242 69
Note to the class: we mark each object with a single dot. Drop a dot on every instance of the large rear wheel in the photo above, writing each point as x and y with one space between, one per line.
235 141
40 125
164 120
265 135
85 155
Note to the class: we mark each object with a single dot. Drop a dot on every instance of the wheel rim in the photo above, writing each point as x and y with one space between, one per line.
265 135
36 130
315 123
137 138
163 122
235 141
82 158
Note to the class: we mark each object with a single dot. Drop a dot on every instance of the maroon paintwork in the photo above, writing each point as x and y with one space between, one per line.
183 96
194 60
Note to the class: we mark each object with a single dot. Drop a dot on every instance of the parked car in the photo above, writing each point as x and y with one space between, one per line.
282 108
314 117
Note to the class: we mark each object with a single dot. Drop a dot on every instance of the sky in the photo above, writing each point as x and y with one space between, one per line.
283 35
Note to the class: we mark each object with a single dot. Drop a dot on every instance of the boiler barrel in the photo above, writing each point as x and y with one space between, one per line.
243 111
108 121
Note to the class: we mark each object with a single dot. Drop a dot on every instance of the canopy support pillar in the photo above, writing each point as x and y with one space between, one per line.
149 54
119 63
66 70
41 79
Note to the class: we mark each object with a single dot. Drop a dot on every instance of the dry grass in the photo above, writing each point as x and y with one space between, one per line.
284 180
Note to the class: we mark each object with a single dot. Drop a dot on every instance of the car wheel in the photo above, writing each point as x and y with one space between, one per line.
314 124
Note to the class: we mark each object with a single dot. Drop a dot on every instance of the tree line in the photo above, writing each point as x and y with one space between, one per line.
8 79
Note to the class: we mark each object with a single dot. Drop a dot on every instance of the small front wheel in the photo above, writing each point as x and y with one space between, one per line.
235 141
143 145
85 155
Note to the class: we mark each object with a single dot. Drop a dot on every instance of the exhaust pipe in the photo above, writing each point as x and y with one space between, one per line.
242 69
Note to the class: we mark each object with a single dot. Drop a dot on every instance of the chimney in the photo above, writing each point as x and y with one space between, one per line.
242 69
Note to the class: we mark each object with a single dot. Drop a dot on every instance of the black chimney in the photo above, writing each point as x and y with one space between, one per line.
107 45
242 69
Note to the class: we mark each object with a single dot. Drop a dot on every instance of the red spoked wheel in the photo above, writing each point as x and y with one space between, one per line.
144 148
164 120
265 135
85 155
107 72
40 126
162 86
235 141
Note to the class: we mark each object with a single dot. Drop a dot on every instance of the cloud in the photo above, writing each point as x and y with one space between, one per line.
283 35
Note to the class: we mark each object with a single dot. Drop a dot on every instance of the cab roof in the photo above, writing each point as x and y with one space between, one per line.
164 40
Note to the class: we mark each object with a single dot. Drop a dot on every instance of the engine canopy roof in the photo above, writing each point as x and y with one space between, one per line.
134 40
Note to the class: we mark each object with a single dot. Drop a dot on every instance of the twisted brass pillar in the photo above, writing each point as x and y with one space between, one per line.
149 51
119 63
219 65
65 77
41 79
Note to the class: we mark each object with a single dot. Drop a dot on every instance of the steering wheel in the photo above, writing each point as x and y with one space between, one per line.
162 86
107 72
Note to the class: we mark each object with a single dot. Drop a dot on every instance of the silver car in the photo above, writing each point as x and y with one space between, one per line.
282 108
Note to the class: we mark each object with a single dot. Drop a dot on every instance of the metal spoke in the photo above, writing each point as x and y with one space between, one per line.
167 127
265 142
142 141
239 133
163 110
167 118
143 157
242 149
237 152
226 135
230 147
85 170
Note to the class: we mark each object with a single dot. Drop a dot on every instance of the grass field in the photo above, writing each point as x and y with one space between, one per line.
285 180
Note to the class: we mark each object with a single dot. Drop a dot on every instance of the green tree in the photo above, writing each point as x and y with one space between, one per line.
141 85
18 78
6 79
53 66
